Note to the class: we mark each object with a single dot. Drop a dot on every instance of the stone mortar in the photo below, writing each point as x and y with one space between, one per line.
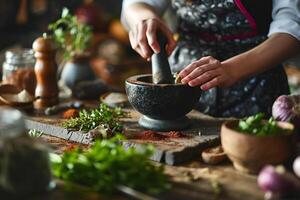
164 106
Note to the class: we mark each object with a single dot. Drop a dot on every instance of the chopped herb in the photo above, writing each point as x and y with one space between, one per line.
217 189
35 133
107 164
256 125
104 117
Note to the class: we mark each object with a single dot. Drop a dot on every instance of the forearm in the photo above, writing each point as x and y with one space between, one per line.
137 12
270 53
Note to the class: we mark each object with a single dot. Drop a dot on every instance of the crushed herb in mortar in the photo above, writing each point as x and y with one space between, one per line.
103 116
256 125
106 165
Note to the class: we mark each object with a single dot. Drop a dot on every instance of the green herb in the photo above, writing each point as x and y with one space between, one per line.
72 36
256 125
103 117
35 133
107 164
216 186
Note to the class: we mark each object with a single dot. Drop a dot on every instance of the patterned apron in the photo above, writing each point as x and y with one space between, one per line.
220 29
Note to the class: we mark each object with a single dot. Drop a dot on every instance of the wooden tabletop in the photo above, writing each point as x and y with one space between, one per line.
192 180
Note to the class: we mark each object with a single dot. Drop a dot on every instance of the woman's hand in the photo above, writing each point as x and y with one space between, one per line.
207 73
143 37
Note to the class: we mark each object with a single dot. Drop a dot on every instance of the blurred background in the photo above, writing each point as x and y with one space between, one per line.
22 21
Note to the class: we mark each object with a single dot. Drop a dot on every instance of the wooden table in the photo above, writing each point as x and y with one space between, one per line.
192 180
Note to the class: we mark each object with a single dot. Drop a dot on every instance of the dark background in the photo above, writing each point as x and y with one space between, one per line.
21 21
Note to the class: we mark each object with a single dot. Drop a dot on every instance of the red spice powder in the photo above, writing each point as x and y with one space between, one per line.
70 113
153 135
70 147
150 135
175 134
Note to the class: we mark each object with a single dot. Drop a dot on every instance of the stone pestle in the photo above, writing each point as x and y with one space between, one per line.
161 72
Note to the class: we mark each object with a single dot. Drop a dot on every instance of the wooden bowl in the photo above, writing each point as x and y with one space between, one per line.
8 95
213 155
249 153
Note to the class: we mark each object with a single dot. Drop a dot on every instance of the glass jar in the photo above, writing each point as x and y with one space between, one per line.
18 69
24 162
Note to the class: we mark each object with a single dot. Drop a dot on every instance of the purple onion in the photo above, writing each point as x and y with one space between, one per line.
287 108
278 181
296 166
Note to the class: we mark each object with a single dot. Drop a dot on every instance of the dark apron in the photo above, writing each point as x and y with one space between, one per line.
219 28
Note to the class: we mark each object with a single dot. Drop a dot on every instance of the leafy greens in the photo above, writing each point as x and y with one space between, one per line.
107 164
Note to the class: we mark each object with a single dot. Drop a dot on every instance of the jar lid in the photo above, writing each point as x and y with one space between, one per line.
19 55
12 123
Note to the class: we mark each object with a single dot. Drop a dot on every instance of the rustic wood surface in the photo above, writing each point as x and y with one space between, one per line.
203 133
191 180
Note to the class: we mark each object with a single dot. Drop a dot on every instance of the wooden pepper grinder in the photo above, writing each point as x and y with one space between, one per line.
46 91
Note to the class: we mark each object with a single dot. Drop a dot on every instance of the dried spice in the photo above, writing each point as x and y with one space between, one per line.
70 113
153 135
175 134
71 147
150 135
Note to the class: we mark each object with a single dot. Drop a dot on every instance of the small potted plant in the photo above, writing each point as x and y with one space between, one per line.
73 39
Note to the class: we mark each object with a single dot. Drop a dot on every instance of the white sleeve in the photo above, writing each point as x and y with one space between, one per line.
159 6
286 18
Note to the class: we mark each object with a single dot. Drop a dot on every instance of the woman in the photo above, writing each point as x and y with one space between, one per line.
231 49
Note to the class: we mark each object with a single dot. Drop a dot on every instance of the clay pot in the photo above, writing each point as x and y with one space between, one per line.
77 70
249 153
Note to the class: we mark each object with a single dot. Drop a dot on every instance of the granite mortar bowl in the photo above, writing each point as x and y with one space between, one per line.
160 101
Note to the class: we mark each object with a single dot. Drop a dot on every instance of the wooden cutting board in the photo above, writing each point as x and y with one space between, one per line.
203 133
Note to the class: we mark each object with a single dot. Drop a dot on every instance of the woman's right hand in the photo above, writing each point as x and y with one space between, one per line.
143 37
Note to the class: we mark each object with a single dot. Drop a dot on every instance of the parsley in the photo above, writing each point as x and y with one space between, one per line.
107 164
256 125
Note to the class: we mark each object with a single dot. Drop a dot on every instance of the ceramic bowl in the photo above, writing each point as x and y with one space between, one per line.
249 153
11 95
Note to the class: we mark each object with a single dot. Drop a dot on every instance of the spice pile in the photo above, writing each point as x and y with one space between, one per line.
71 113
153 135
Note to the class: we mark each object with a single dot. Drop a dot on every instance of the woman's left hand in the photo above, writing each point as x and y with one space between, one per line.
207 73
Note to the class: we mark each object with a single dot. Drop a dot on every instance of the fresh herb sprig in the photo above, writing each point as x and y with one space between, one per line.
257 126
104 116
35 133
107 164
72 36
